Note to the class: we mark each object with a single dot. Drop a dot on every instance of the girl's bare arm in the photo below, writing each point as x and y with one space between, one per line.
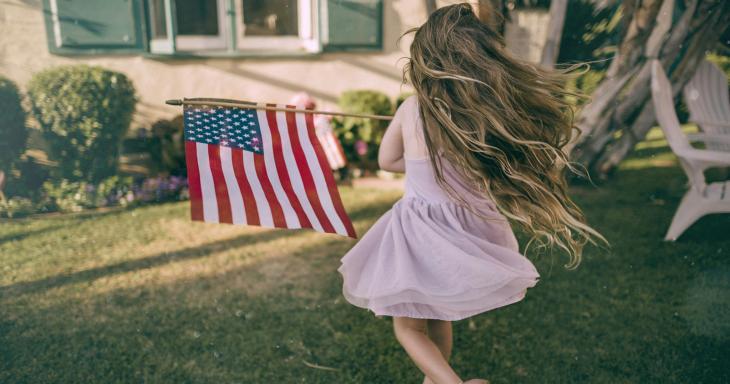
390 154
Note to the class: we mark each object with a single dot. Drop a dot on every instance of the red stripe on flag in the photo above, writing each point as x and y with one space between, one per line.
330 180
276 210
283 171
249 201
196 195
219 183
305 172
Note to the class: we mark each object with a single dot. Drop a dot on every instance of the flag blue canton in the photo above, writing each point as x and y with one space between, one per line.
225 126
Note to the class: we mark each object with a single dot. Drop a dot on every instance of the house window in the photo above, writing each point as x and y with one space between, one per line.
212 27
269 18
196 25
284 25
158 28
201 24
198 18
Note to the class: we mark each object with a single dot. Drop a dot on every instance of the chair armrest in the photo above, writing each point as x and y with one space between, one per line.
709 137
714 123
708 158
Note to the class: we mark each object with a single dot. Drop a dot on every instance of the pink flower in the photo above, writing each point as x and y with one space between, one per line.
361 147
303 100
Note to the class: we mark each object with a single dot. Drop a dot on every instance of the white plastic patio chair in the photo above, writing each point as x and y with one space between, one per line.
706 95
701 199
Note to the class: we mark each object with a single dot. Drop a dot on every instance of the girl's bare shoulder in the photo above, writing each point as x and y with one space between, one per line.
409 109
415 146
410 101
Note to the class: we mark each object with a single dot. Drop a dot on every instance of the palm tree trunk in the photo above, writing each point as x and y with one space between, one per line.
2 185
430 6
493 12
621 113
551 49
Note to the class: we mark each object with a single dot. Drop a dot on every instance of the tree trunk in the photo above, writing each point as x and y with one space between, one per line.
492 12
495 13
430 6
554 33
2 185
621 113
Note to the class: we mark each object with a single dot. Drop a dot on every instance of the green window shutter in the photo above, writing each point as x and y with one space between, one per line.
94 26
352 24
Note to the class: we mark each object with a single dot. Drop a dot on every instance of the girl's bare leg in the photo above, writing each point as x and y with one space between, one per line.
440 332
411 334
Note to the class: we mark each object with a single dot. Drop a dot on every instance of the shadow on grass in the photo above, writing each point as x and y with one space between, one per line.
165 257
25 234
127 334
85 215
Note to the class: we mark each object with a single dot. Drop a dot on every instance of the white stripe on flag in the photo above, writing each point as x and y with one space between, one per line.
339 161
210 205
328 150
317 173
294 175
340 154
265 215
292 221
238 212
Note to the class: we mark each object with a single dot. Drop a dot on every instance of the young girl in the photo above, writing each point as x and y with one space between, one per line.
480 143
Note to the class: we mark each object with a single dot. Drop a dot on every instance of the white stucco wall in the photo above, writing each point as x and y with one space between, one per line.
23 52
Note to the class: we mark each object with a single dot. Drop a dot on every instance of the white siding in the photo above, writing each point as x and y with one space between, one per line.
23 51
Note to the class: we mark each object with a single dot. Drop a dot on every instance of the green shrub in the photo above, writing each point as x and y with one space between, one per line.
368 132
84 111
66 196
13 131
142 145
73 196
16 206
171 154
27 178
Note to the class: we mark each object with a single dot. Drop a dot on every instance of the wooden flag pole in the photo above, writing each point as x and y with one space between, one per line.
251 105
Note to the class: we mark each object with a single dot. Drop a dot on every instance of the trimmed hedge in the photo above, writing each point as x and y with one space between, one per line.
360 137
171 154
13 130
84 112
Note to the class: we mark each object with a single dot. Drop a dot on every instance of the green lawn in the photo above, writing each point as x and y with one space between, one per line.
146 295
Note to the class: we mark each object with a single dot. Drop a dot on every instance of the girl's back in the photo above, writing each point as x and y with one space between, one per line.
420 177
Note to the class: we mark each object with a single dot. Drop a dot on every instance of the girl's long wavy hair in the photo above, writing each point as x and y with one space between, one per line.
502 122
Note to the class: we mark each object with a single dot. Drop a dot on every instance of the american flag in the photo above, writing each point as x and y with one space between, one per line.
260 167
330 143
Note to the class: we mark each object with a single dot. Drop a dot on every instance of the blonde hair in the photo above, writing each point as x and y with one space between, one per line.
502 122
